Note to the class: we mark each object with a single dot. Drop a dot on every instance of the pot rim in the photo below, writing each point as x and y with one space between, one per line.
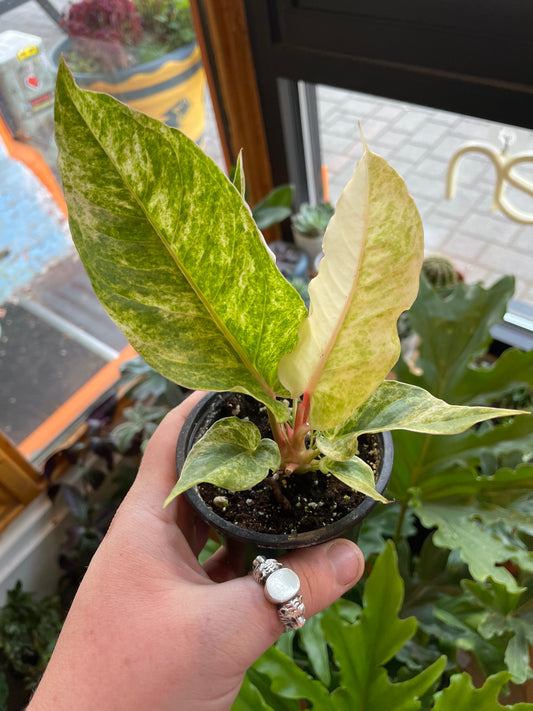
276 540
121 75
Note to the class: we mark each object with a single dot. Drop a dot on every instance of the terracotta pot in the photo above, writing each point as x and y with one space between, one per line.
192 431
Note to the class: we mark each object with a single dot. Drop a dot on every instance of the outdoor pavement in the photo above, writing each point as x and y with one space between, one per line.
46 302
419 143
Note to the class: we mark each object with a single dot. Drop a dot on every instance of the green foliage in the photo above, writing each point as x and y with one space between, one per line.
28 632
274 207
460 485
440 273
237 462
109 35
461 695
362 643
492 623
470 493
312 220
197 294
140 423
167 22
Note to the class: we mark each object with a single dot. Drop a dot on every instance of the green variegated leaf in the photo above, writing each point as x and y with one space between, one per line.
349 342
231 454
398 406
355 473
172 250
238 176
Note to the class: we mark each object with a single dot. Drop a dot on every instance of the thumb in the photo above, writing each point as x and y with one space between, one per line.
326 572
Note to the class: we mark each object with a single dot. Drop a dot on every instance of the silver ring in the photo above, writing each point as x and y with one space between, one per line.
282 589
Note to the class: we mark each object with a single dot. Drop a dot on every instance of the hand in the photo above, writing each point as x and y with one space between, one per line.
152 629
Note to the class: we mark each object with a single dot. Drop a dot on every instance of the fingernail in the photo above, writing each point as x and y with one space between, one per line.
347 562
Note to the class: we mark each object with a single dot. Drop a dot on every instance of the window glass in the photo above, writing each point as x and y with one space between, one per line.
420 143
55 336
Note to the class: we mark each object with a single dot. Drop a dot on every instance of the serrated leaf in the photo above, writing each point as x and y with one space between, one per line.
399 406
172 250
517 654
504 621
444 466
231 455
362 649
349 342
461 694
512 369
458 530
356 474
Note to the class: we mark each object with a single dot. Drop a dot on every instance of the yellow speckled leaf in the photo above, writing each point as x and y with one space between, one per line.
172 250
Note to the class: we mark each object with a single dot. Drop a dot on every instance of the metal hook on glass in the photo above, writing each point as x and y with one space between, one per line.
505 166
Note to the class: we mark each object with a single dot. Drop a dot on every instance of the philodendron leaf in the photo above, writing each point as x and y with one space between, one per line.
231 454
462 695
398 406
459 528
361 650
349 342
355 473
172 250
453 333
361 645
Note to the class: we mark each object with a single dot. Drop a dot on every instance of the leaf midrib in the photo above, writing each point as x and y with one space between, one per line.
324 356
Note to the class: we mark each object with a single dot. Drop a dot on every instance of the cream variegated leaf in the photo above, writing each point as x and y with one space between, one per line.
373 250
172 250
356 474
231 454
399 406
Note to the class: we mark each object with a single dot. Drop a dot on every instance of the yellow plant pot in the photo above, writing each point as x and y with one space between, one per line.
170 89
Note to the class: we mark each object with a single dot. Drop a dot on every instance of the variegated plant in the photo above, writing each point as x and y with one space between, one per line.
176 259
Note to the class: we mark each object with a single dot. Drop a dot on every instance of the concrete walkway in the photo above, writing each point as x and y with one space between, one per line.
419 143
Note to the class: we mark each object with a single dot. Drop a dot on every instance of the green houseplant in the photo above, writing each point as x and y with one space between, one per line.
176 259
144 53
309 224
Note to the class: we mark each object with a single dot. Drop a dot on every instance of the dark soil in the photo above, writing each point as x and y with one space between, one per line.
304 502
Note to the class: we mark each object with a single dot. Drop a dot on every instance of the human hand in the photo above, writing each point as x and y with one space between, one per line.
152 629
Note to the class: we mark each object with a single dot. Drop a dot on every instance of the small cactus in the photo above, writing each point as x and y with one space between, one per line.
440 273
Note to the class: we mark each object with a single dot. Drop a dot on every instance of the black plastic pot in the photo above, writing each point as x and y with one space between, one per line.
194 428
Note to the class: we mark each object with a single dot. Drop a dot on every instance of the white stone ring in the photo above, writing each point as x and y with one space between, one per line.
282 588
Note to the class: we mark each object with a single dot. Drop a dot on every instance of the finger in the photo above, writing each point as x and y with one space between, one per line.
227 563
326 572
193 527
157 473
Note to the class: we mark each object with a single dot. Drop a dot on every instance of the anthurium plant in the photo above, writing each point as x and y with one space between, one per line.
177 260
